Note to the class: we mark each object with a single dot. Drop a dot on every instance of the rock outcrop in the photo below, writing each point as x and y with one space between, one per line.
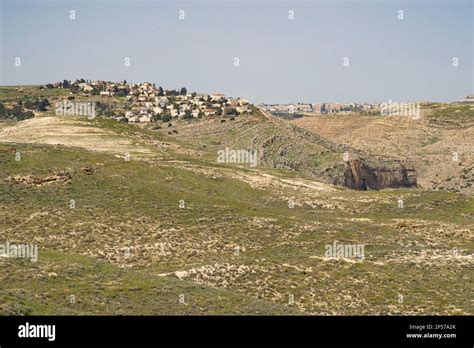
361 174
61 176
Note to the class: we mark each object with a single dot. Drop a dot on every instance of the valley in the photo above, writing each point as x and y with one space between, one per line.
171 230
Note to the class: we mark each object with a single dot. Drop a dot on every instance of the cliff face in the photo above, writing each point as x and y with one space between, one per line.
359 174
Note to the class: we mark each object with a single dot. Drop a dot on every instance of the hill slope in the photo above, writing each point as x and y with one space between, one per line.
440 145
230 238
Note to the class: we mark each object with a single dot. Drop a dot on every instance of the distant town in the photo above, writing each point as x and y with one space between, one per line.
300 109
318 108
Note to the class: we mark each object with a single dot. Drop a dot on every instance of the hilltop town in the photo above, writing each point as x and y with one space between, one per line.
145 102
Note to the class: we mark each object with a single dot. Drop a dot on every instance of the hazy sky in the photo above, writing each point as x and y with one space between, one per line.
280 59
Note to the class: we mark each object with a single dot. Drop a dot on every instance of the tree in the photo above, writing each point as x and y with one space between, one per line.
16 110
230 111
183 91
65 84
74 88
43 104
3 110
166 117
30 104
101 107
24 115
122 93
109 112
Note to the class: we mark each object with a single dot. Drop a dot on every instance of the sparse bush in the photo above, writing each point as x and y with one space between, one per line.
43 104
230 111
166 117
25 115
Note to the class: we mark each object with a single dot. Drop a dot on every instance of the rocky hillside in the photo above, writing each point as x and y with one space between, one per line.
283 145
362 175
146 220
439 146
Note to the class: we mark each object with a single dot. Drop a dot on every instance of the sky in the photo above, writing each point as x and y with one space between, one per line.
261 50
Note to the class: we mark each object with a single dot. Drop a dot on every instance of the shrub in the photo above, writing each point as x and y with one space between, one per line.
166 118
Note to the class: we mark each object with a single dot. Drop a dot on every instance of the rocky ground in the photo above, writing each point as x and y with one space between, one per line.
439 145
169 230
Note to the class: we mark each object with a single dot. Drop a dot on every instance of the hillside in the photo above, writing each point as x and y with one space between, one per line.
170 230
440 145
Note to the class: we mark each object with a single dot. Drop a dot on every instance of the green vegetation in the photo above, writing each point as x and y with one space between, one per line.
454 116
135 206
135 237
10 94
